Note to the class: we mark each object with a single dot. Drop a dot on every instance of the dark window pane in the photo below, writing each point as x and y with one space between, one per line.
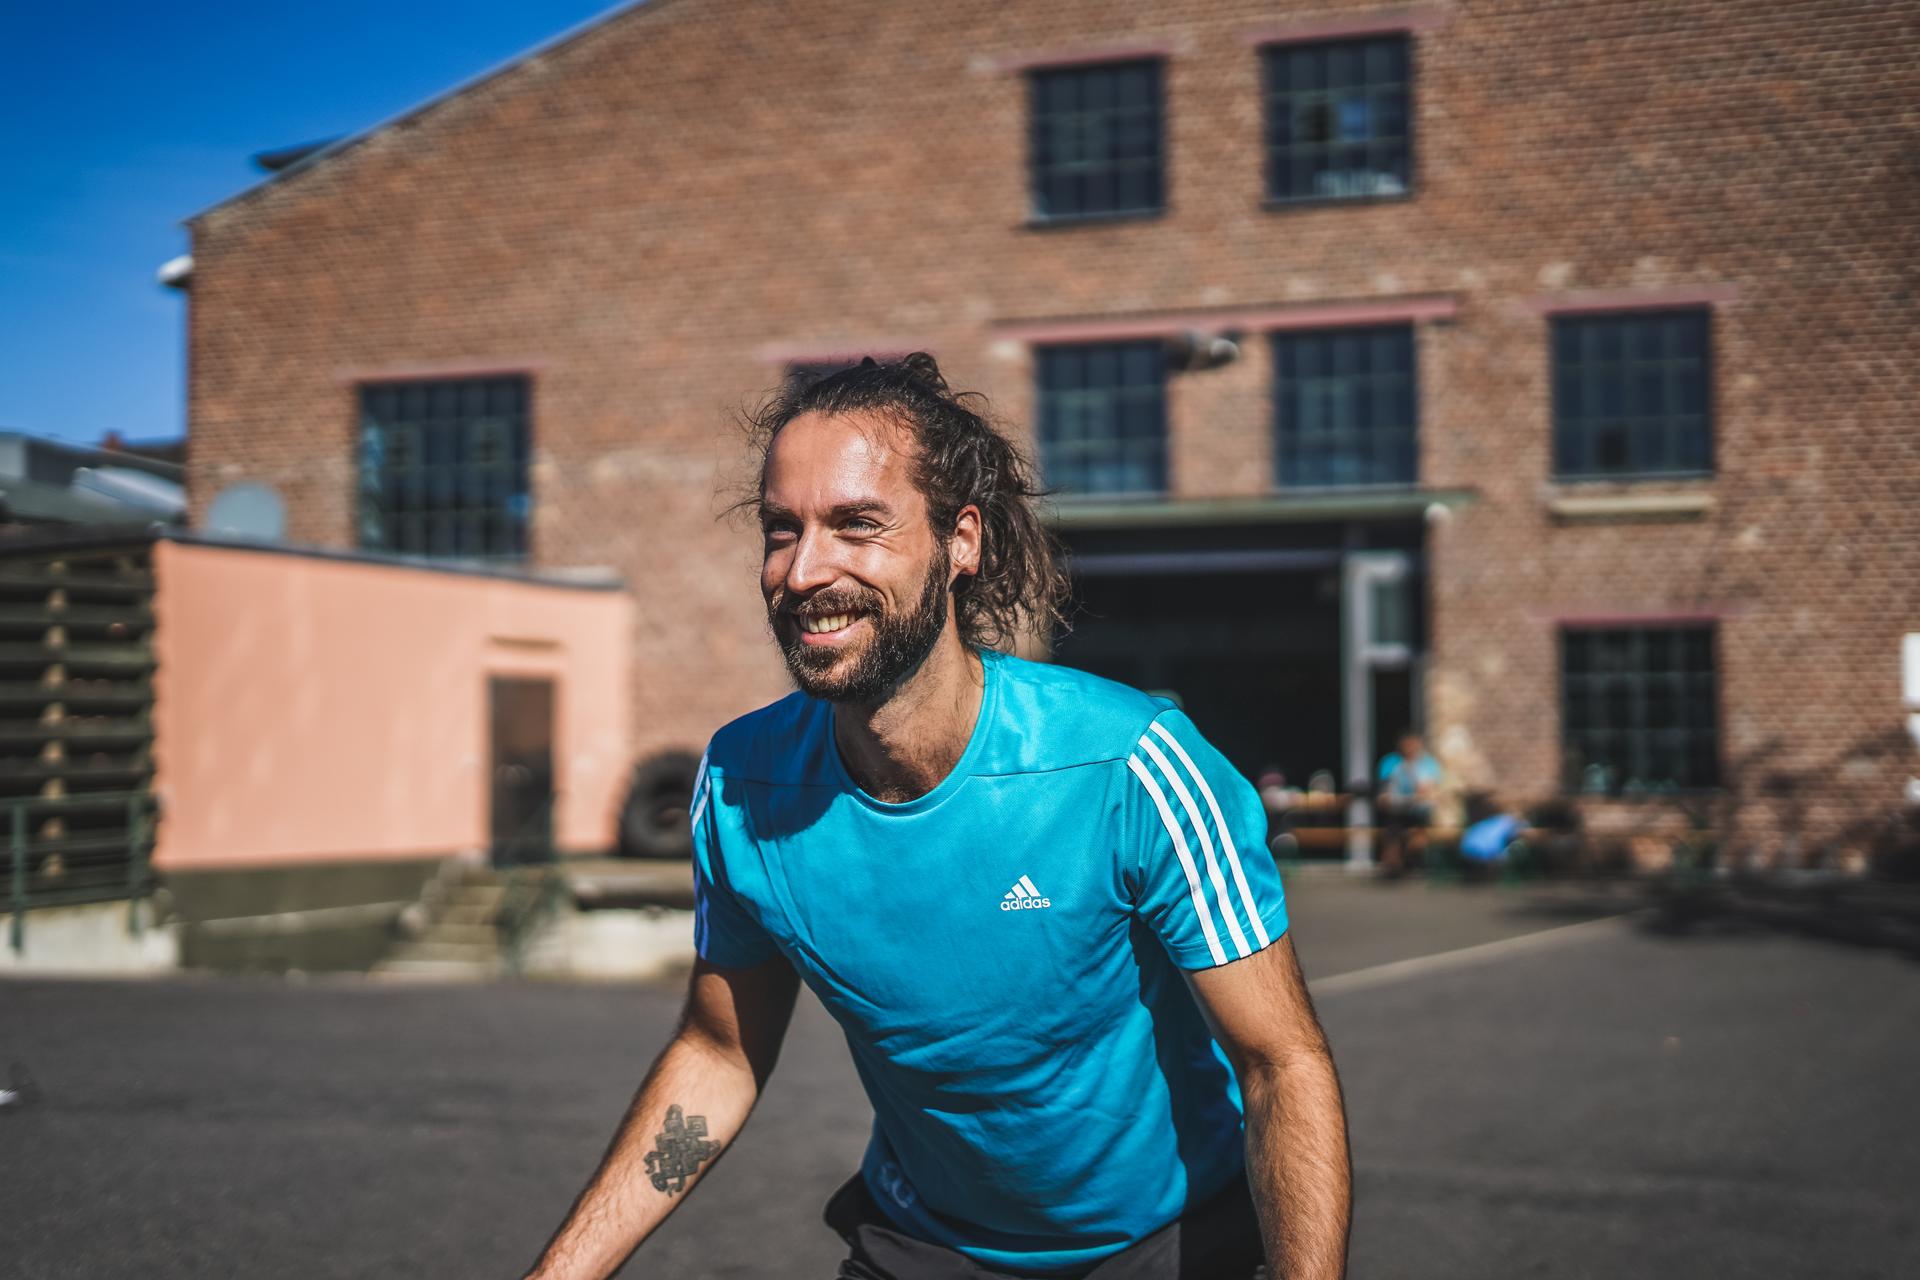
1690 336
1337 119
1630 394
1095 140
1389 115
1387 62
1344 410
439 464
1303 63
1343 65
1102 417
1631 721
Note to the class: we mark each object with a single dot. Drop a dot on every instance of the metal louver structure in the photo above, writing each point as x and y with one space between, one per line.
76 725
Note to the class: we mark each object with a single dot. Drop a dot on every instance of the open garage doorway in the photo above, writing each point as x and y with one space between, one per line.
1269 648
1252 656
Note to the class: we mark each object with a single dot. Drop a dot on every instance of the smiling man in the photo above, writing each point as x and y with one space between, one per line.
1037 902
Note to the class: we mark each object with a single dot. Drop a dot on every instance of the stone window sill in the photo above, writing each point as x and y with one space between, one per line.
1668 504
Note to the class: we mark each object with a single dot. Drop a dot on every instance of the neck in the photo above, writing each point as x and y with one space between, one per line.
902 746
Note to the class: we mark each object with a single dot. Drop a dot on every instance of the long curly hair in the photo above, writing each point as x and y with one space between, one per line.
964 458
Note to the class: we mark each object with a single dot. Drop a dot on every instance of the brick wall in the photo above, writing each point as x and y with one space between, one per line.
652 217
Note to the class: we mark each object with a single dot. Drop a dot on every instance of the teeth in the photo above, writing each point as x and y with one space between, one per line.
820 626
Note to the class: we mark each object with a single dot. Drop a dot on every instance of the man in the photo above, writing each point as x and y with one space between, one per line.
1409 784
995 874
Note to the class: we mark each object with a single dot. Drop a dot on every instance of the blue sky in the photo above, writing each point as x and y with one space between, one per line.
117 120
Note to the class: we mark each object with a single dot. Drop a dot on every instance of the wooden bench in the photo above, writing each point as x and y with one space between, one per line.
1334 839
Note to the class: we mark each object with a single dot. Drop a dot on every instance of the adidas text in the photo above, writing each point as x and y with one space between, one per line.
1024 896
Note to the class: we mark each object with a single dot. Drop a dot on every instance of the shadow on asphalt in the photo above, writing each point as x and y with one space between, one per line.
1857 914
1852 920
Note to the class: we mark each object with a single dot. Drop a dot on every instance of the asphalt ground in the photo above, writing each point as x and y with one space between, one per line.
1546 1098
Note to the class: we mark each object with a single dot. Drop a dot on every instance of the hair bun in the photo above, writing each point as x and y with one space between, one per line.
923 368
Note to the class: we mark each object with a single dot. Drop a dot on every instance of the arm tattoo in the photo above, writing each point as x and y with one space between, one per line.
679 1149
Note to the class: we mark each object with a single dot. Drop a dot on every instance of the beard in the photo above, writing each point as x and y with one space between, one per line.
899 643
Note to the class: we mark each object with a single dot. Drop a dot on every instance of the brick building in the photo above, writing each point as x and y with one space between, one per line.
1572 413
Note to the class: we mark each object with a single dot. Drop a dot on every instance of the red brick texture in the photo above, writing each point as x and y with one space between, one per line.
641 215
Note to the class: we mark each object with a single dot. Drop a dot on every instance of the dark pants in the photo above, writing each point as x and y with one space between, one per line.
1218 1240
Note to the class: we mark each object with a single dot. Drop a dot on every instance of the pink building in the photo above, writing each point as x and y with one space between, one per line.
291 743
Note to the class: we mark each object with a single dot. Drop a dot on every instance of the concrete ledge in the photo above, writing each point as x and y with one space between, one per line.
1275 508
92 939
1669 505
648 942
629 882
310 917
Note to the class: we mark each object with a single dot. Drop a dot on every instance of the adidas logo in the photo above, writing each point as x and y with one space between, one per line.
1024 897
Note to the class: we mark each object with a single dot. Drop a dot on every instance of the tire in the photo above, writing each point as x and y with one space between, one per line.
653 821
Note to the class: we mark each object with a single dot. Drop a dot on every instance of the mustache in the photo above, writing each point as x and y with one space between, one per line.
826 604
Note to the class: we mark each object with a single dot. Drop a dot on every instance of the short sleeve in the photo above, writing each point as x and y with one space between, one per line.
1202 877
724 934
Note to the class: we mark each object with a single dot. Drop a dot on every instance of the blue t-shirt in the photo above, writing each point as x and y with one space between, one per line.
1403 778
1004 952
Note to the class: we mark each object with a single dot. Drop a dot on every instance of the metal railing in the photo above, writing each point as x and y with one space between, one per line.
534 894
85 866
525 861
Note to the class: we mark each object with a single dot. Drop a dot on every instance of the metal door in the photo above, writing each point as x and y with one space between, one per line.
1376 636
520 712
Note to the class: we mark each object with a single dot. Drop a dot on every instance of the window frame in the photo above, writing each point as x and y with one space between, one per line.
1638 681
1558 473
378 525
1037 216
1046 446
1269 50
1277 400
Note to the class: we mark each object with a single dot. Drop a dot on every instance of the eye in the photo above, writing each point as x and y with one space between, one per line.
861 524
778 531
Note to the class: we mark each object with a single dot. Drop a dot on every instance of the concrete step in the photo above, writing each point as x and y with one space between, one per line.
468 912
478 933
433 970
458 952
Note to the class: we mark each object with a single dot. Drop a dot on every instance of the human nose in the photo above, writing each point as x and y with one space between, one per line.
813 564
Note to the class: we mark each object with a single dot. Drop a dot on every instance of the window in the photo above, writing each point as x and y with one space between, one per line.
1095 146
1344 407
1103 417
1338 126
443 468
1630 395
1639 709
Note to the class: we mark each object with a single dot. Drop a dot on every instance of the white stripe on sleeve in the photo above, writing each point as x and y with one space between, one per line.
1227 912
700 789
1220 825
1186 859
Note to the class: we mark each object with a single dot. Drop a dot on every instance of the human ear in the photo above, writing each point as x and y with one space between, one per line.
963 544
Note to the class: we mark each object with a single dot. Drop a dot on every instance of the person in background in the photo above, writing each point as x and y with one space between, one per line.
1275 794
1408 785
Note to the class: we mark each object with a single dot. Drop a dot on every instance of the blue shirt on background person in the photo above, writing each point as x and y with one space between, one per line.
1403 779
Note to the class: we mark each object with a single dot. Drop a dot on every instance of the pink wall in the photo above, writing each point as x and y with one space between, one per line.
310 709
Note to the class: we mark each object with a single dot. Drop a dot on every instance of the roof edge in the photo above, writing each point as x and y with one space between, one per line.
349 141
57 538
93 455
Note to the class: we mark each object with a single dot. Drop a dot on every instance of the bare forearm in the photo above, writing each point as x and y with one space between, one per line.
691 1105
1300 1167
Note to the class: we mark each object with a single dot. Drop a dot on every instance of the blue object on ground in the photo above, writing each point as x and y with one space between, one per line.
1487 839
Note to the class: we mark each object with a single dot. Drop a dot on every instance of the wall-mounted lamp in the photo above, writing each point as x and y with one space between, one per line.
1191 351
